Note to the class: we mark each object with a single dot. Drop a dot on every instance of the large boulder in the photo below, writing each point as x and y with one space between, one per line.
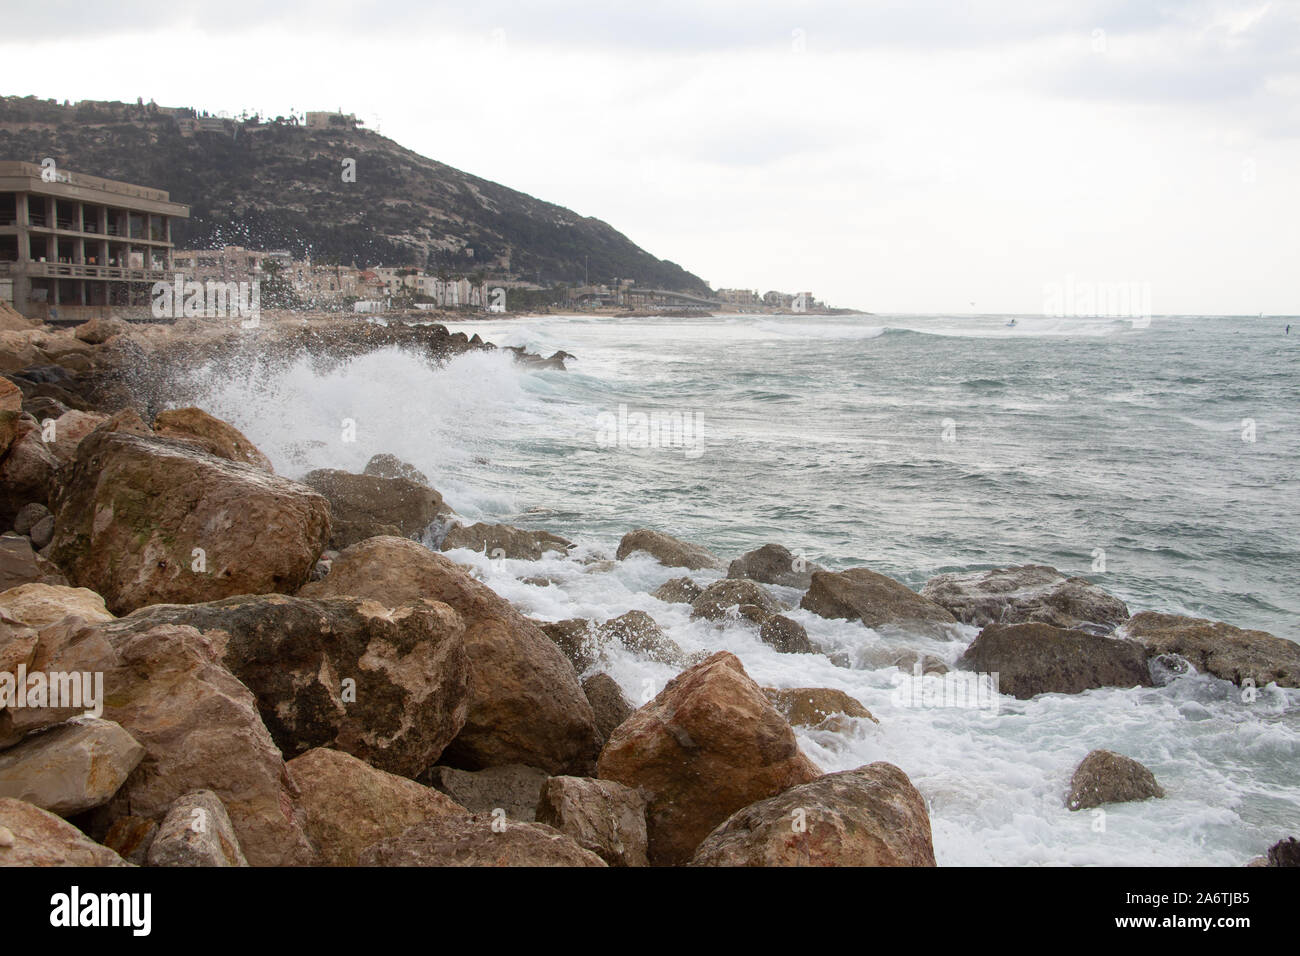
99 330
604 817
30 836
196 832
19 564
214 436
576 639
668 550
735 598
513 788
364 506
526 705
69 768
349 804
390 466
199 727
473 841
786 635
1032 659
1024 594
1107 777
879 602
707 745
146 521
815 706
677 591
68 431
27 466
638 632
390 686
607 702
11 396
871 816
1213 647
774 564
505 541
38 605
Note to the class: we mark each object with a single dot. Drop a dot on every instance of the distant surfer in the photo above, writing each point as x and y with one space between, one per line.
1288 329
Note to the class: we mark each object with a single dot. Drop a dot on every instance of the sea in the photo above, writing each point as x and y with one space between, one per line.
1158 458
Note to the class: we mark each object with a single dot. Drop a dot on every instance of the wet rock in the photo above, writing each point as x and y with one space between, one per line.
504 541
678 591
390 466
349 804
69 430
1024 594
145 521
513 788
1033 659
879 602
786 635
930 664
1106 777
1284 853
39 838
1213 647
473 841
638 632
707 745
214 436
364 506
607 702
99 330
602 816
526 705
576 640
196 832
668 550
871 816
69 768
774 564
814 706
732 598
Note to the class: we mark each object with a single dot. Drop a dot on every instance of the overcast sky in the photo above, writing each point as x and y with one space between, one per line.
906 156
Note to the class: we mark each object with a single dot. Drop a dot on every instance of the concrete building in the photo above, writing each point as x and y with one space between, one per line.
228 264
73 245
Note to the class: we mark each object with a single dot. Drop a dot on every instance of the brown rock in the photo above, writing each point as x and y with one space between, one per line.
576 640
472 841
812 706
1213 647
133 511
70 768
1025 594
39 605
774 564
504 541
707 745
602 816
668 550
1106 777
19 564
678 591
211 434
69 430
880 603
390 466
786 635
11 396
196 832
42 839
131 837
364 506
871 816
607 702
513 788
638 632
349 805
526 705
27 468
99 330
1035 659
733 598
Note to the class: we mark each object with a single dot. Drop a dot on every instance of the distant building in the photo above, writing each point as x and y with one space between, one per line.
739 296
228 264
321 120
77 243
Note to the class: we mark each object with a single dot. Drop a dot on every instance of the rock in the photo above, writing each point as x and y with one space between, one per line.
871 816
473 842
1033 659
364 506
11 396
128 422
19 565
786 635
99 330
678 591
390 466
148 521
813 706
526 705
707 745
504 541
69 430
29 515
40 838
668 550
27 468
602 816
774 564
575 639
196 832
1106 777
69 768
42 533
1213 647
214 436
42 408
513 788
638 632
389 686
199 727
131 837
1284 853
750 600
930 664
1024 594
879 602
39 605
607 702
349 804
